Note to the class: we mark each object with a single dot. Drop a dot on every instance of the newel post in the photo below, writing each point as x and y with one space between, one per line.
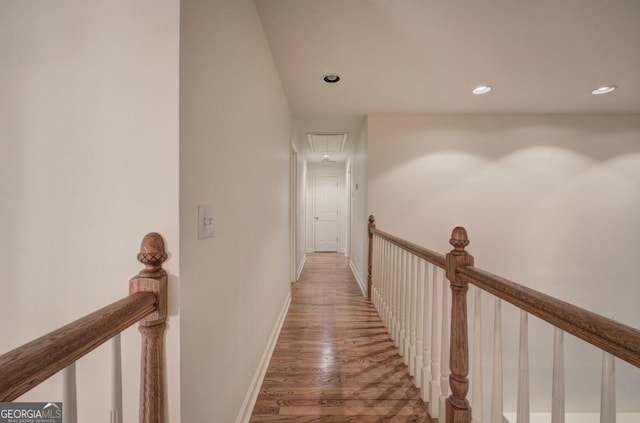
152 279
372 226
458 409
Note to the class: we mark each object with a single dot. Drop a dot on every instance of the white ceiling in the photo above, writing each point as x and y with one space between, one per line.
425 56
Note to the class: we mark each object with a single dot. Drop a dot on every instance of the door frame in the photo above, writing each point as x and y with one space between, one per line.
293 203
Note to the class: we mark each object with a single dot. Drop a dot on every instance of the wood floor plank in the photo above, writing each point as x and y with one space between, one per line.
334 361
339 419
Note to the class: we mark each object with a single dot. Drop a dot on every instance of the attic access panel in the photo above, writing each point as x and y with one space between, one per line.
327 143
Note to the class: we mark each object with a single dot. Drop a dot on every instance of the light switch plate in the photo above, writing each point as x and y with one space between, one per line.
205 221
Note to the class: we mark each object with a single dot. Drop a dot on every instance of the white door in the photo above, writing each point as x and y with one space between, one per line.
325 194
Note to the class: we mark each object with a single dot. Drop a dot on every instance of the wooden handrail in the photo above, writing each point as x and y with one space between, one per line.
614 337
25 367
424 253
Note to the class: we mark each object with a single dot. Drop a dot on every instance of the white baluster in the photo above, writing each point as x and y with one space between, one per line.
420 305
392 288
116 380
434 401
374 263
608 390
496 397
382 283
476 369
388 316
69 396
379 278
398 291
557 389
396 297
385 285
444 344
412 312
412 324
403 306
389 296
407 308
376 274
426 352
407 304
523 370
380 275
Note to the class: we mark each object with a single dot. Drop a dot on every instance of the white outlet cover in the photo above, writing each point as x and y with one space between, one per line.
205 221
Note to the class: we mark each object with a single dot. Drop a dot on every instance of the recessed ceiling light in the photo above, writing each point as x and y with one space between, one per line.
604 89
331 78
482 89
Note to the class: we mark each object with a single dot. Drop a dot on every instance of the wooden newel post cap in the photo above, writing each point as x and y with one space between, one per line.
152 253
458 256
459 239
372 219
153 277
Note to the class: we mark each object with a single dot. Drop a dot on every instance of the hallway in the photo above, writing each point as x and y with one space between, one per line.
334 361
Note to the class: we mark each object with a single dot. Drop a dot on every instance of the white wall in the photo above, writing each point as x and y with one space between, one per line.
359 245
325 169
234 152
88 166
551 202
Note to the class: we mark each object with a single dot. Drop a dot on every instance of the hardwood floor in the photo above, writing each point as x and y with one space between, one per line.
334 361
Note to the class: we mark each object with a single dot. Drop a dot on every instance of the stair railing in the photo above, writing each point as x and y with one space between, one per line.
30 364
406 283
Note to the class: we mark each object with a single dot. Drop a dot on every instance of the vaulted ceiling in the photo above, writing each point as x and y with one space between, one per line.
425 56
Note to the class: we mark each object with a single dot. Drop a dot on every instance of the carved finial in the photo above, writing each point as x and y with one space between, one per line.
152 253
459 239
372 219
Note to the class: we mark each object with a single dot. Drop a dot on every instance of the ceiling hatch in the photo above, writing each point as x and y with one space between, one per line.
327 143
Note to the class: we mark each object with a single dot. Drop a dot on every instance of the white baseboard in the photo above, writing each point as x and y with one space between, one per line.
361 284
254 389
342 251
302 262
576 417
